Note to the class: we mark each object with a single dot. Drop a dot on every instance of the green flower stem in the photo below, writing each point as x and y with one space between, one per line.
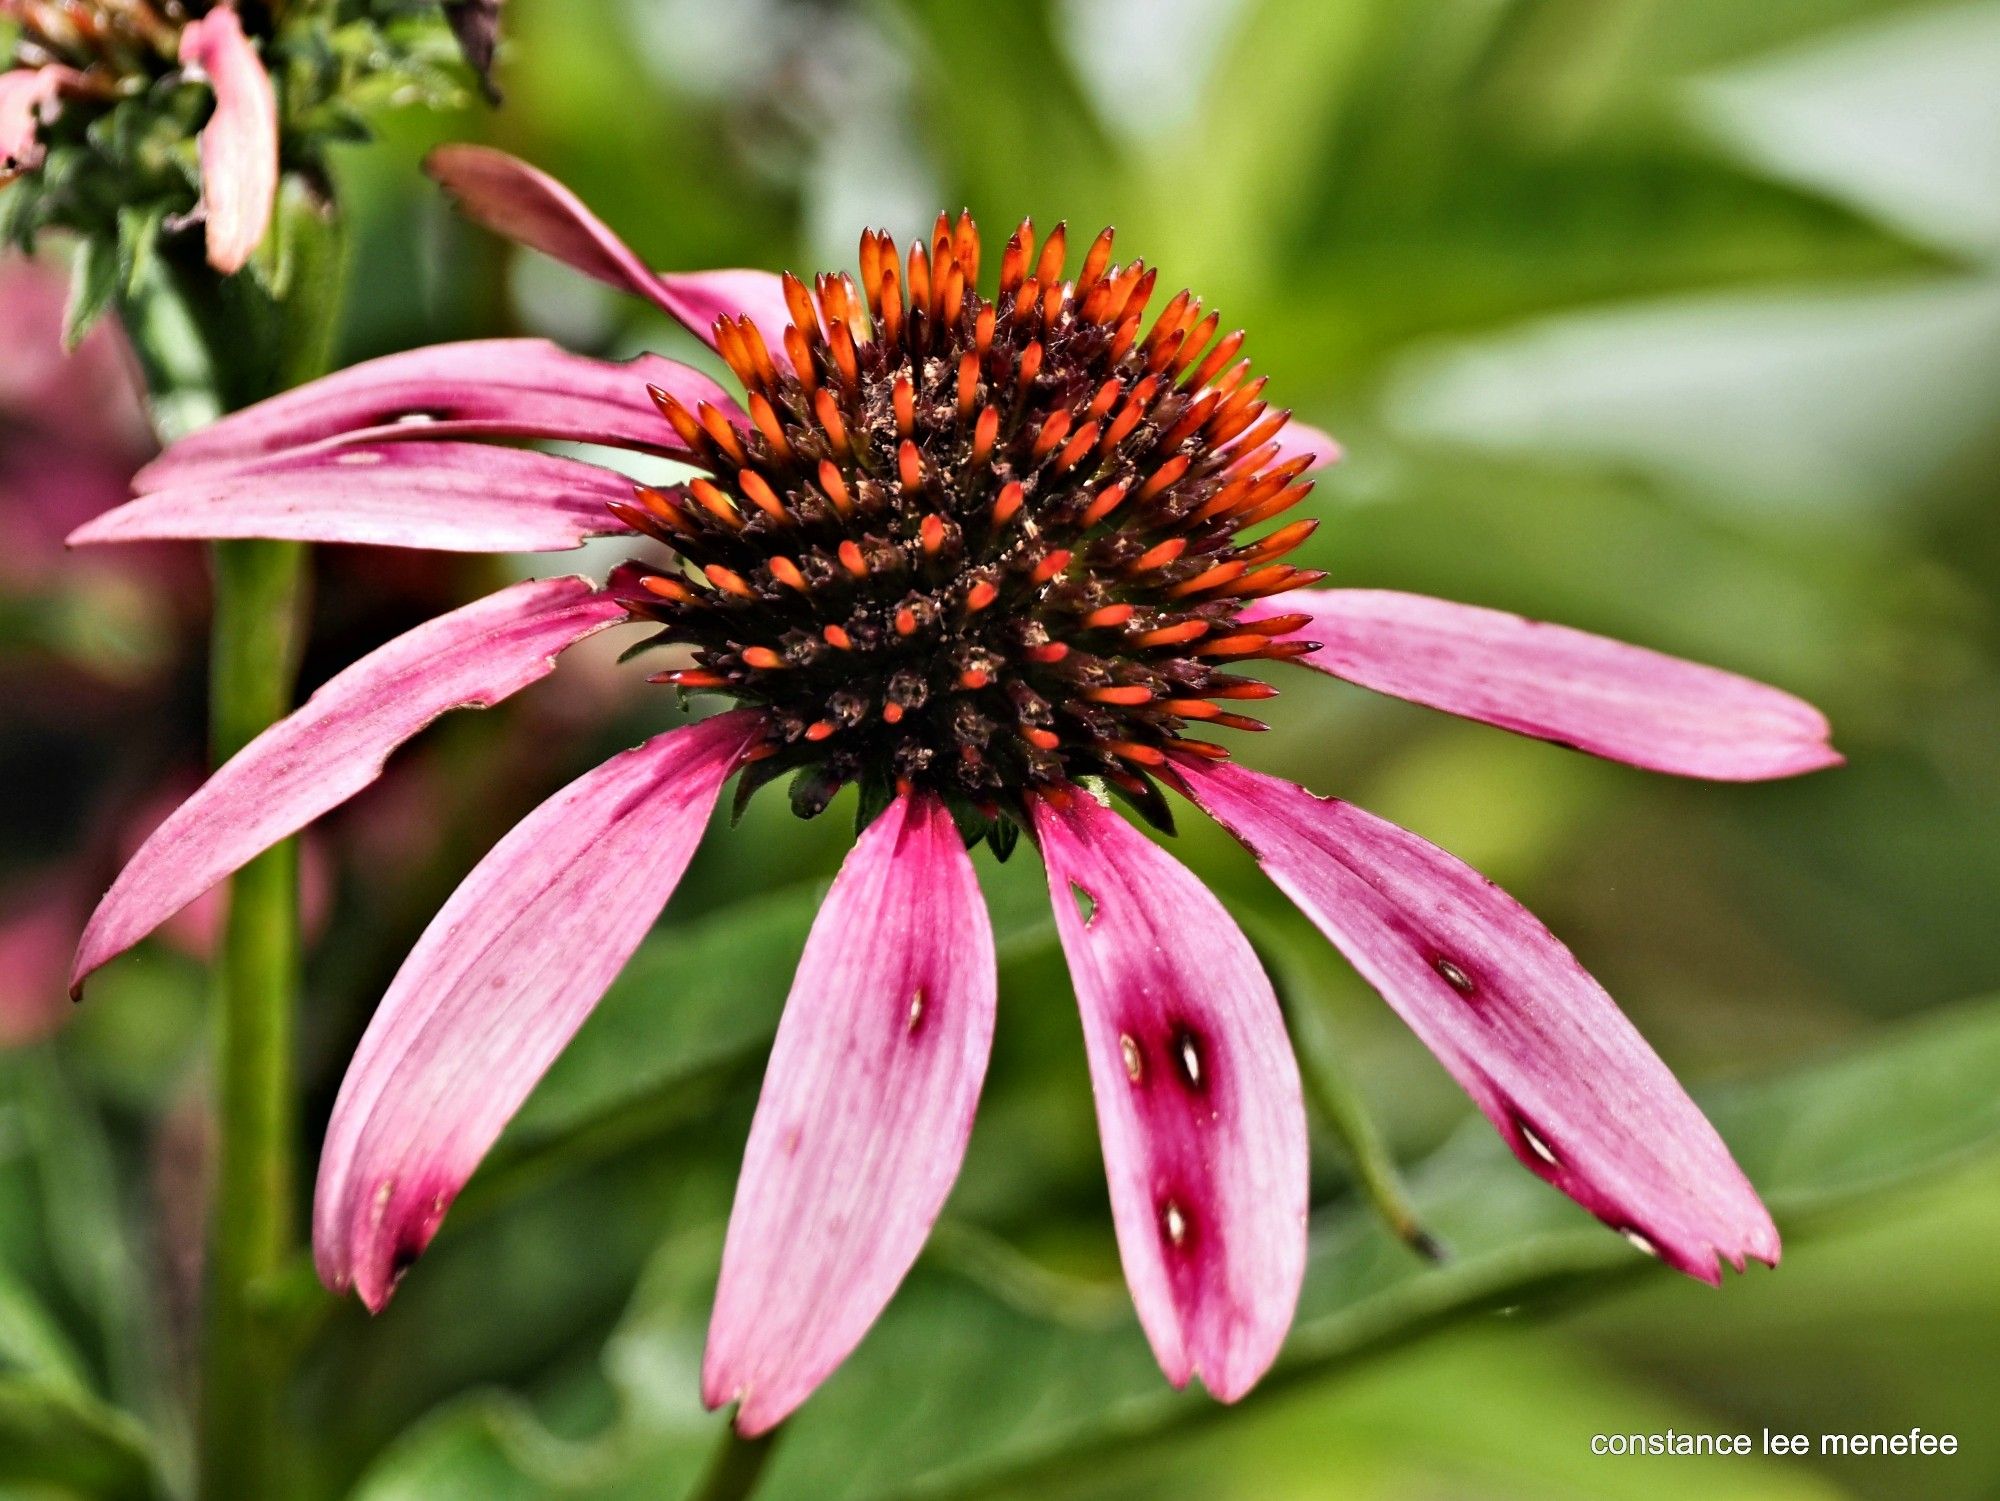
737 1467
252 664
1331 1091
210 345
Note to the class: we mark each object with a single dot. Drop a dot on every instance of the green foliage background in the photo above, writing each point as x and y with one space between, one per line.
1673 319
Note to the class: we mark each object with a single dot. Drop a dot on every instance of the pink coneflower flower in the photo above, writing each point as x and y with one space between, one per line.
114 49
985 558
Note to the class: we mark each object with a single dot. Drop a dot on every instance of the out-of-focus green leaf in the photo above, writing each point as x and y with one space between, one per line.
1796 402
706 996
974 1386
959 1395
1898 116
32 1343
53 1436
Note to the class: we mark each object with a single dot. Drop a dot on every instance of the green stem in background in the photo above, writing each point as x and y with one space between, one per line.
1331 1091
252 663
737 1467
208 346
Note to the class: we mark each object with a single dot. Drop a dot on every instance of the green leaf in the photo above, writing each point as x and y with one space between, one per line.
32 1343
1897 116
700 999
960 1392
990 1375
93 283
52 1435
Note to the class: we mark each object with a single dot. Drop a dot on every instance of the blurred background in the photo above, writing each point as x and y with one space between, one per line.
1677 320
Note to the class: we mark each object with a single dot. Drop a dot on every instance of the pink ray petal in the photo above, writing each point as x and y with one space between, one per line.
239 145
322 754
507 971
28 98
484 388
866 1109
451 497
1548 1057
1594 694
1296 438
1198 1099
527 205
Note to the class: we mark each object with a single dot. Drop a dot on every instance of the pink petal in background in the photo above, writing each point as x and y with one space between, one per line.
321 755
451 497
867 1106
527 205
1198 1097
1569 1083
507 971
488 388
1595 694
239 145
28 98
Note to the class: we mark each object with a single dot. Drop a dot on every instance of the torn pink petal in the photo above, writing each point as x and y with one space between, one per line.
1588 692
1198 1099
1297 438
483 388
527 205
1570 1084
336 744
239 145
867 1106
28 98
507 971
451 497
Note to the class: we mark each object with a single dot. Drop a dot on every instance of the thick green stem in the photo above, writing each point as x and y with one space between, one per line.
737 1467
252 664
208 345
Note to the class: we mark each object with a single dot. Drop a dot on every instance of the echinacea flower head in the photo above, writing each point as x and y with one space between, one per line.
992 557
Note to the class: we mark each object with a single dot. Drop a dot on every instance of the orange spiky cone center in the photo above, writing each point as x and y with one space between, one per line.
985 546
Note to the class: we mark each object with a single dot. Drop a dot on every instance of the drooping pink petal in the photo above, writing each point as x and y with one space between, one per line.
336 743
28 98
1198 1099
527 205
451 497
239 145
1588 692
1569 1083
867 1105
1296 438
482 388
507 971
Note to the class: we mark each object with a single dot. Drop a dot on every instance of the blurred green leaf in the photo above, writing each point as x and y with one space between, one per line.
52 1435
1898 116
968 1388
705 996
959 1396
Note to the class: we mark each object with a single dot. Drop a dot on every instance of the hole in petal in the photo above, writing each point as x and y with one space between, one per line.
1086 904
416 419
1535 1144
1454 976
916 1008
1187 1055
1128 1047
1174 1224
